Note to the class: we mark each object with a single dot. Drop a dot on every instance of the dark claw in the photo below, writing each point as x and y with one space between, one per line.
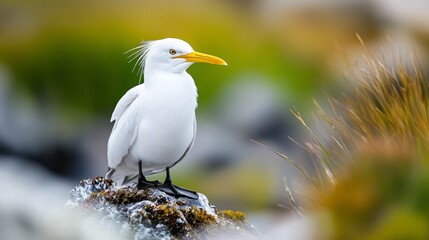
174 190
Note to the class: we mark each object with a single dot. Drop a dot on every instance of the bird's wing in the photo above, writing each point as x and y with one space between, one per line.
127 119
190 144
125 101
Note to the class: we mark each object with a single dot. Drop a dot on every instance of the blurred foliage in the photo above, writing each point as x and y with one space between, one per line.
384 195
372 155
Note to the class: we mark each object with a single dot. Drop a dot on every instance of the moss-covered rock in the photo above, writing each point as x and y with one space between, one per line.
152 214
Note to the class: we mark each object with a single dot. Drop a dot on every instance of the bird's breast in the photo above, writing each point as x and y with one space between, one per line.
171 99
167 124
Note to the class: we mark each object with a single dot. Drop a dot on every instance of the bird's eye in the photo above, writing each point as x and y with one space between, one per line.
172 51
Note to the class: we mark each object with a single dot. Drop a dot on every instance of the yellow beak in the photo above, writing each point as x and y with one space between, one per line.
202 57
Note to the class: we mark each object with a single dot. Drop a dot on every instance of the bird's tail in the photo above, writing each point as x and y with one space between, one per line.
121 179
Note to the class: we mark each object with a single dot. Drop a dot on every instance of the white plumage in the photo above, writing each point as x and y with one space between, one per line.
155 121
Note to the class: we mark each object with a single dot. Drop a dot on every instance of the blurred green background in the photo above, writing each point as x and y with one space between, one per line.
63 69
60 49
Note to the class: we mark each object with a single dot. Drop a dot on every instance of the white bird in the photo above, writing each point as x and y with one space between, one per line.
155 123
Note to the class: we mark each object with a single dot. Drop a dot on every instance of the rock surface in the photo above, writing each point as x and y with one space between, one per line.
152 214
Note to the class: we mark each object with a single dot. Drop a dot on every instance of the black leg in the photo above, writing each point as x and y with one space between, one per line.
176 191
168 183
143 183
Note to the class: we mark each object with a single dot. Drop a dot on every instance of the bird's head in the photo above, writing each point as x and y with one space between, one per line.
171 54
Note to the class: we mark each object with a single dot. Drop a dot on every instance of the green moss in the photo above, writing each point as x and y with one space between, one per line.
168 215
95 195
198 221
125 196
235 216
198 217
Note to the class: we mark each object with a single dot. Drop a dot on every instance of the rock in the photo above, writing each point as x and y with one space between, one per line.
152 214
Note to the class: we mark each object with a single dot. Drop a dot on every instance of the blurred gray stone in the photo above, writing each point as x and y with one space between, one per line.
32 206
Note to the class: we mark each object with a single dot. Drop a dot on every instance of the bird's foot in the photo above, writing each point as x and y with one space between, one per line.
176 191
145 184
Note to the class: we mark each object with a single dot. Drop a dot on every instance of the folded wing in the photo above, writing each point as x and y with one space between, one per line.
127 119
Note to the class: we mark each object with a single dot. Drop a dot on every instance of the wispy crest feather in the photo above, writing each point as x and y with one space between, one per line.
139 54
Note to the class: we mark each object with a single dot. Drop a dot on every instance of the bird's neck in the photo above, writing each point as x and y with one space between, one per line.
173 88
157 68
163 80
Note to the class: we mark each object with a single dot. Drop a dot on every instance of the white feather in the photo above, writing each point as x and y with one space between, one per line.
125 102
127 118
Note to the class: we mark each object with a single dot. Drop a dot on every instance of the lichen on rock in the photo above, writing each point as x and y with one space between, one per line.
152 214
